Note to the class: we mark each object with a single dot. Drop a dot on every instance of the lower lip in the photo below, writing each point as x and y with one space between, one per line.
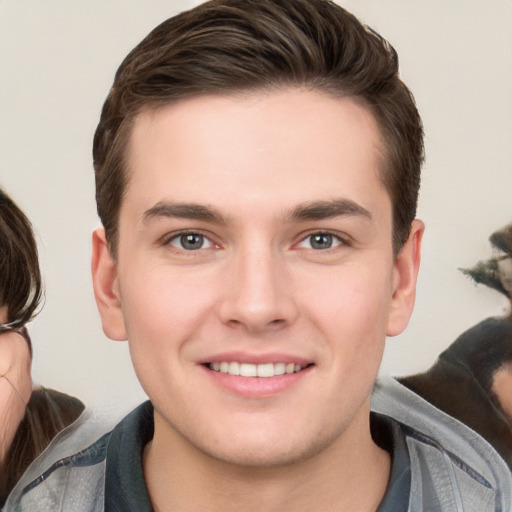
257 387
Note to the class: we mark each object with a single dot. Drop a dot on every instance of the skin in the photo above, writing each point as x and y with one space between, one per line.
502 388
15 383
257 289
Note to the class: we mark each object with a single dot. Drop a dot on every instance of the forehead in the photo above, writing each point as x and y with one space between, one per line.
294 143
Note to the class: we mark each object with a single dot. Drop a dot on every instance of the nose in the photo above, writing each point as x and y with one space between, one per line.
258 292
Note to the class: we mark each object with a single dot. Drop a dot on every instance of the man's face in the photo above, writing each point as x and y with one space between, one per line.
255 236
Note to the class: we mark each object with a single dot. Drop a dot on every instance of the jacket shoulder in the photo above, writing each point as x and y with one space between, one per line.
452 467
70 473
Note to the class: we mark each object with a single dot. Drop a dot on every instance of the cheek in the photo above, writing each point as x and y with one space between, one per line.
353 301
352 316
154 317
159 299
163 311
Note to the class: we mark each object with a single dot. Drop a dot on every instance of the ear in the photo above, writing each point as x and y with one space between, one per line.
407 264
106 287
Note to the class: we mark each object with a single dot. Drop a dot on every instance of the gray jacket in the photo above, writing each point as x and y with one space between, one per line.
452 468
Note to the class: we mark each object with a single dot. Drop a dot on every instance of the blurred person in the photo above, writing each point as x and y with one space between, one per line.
20 296
29 419
472 379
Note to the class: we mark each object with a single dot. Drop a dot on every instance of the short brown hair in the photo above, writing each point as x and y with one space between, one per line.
20 278
225 46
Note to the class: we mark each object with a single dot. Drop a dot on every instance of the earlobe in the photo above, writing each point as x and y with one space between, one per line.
106 291
407 265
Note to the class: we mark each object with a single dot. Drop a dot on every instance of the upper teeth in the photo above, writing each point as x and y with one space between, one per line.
255 370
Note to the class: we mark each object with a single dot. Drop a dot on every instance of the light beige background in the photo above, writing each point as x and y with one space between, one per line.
57 60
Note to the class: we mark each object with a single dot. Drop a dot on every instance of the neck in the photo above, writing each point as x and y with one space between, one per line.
350 474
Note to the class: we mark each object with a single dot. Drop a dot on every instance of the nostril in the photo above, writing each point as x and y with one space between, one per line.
276 324
256 326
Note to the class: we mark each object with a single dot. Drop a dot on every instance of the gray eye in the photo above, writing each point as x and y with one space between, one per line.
190 241
321 241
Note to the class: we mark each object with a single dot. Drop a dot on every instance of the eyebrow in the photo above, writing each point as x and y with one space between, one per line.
183 211
319 210
315 210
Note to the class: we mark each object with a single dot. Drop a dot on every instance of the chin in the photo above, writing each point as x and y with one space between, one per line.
266 451
260 457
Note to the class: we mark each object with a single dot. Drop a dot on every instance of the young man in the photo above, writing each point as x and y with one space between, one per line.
257 168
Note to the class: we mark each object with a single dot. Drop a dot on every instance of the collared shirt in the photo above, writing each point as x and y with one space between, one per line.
125 488
391 438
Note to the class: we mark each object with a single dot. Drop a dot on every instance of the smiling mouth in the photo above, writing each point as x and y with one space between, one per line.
264 370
